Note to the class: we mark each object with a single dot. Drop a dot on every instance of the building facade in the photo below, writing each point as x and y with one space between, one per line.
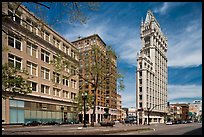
151 75
179 112
106 95
195 110
119 107
33 45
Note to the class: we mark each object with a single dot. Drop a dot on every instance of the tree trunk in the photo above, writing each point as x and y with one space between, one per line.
94 109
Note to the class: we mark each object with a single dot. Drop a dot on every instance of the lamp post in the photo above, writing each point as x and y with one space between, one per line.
148 113
84 96
62 108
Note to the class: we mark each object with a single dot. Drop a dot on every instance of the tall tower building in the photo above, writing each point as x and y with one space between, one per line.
151 75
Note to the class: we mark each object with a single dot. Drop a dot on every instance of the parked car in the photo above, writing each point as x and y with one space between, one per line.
52 123
178 122
183 122
169 123
107 123
32 123
189 121
130 119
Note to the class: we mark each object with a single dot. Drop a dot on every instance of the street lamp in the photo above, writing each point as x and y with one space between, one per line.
84 96
148 113
62 108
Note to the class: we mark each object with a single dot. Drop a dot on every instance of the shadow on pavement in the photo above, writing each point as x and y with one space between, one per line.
194 132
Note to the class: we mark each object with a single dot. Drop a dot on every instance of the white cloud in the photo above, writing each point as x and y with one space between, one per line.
185 48
184 91
163 8
166 6
128 99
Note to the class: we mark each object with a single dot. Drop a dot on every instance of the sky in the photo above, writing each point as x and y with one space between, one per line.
118 24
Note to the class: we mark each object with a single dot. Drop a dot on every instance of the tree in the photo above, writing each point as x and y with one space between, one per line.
75 11
14 81
97 73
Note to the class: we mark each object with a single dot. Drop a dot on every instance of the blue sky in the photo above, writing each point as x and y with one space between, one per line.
118 24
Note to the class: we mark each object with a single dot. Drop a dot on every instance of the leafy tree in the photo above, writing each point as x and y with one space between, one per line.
96 74
14 81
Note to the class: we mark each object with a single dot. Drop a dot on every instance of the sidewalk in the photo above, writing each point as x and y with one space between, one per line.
76 130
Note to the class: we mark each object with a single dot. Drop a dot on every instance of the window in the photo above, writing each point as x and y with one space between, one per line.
65 81
140 73
28 24
72 54
56 42
14 61
14 41
73 83
31 49
56 77
45 89
73 70
73 95
140 65
56 92
140 105
45 56
46 36
140 88
65 49
45 73
33 85
140 80
140 97
65 94
31 68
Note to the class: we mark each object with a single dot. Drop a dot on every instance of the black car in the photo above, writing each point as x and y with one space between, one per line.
32 123
52 123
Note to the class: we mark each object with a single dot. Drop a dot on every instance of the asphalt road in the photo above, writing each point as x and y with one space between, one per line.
118 129
177 129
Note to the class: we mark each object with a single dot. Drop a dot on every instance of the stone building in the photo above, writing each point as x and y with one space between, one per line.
32 44
151 75
106 95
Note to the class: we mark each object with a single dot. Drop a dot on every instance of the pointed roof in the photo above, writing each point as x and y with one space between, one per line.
150 17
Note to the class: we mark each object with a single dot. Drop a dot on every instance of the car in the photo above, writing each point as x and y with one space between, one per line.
179 122
189 121
130 119
107 123
32 123
52 123
183 122
169 123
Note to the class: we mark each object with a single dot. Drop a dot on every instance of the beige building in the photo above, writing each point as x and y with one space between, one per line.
32 45
106 95
151 76
195 109
119 107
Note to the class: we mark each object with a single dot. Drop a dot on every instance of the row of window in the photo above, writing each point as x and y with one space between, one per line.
56 92
32 69
33 27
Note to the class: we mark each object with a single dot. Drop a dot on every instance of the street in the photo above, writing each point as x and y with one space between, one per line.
177 129
118 129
